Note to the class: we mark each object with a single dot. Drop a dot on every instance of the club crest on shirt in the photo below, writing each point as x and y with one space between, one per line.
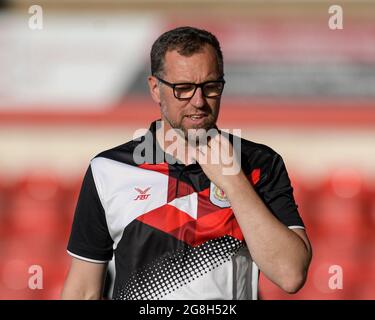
218 197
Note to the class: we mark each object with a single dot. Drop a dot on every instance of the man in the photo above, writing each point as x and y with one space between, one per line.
179 226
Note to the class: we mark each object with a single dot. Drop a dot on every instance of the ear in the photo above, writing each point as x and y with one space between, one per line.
154 89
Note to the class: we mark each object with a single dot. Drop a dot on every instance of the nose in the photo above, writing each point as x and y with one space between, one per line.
198 100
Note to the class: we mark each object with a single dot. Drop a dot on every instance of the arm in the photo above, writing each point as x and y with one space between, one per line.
85 281
90 245
282 254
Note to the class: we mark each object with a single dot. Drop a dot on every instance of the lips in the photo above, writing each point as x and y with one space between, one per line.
196 116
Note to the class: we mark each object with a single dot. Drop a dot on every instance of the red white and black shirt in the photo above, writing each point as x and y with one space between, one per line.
171 230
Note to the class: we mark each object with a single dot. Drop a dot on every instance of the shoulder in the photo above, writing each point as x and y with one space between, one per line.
256 154
111 166
122 153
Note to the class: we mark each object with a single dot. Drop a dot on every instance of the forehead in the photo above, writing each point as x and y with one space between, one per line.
202 63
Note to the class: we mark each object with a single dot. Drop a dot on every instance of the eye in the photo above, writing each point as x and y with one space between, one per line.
184 87
213 85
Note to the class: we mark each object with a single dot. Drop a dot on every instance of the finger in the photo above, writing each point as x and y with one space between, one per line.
203 154
202 149
214 138
199 148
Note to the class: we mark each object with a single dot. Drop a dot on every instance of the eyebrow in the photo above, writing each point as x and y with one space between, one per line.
187 81
212 76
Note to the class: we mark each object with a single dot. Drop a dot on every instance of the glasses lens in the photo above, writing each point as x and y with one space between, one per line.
184 91
213 89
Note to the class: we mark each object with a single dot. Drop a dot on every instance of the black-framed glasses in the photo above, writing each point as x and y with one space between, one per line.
185 91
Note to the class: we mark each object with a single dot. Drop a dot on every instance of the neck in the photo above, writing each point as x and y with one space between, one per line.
174 144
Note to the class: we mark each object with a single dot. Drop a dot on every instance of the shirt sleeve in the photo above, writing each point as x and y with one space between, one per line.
277 193
90 239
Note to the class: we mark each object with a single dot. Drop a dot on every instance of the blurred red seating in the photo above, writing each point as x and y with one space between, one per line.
37 186
339 206
304 194
330 258
38 206
5 202
18 256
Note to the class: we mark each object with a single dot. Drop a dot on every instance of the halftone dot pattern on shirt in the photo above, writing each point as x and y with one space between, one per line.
177 269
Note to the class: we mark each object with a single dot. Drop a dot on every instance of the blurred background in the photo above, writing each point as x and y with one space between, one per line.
78 86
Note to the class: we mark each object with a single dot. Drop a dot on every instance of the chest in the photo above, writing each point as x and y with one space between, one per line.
170 204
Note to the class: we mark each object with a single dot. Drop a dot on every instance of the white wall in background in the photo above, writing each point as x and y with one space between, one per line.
75 60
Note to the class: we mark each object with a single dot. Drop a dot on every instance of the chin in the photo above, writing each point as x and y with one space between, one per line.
199 137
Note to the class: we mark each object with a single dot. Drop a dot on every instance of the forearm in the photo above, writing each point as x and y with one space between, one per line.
278 251
75 293
84 281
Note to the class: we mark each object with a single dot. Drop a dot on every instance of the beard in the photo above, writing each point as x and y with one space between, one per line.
195 134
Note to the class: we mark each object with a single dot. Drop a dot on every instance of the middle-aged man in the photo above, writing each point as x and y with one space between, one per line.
178 224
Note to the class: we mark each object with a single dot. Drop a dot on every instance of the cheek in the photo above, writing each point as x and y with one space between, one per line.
173 108
215 106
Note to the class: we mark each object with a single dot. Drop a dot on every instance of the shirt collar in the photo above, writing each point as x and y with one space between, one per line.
159 156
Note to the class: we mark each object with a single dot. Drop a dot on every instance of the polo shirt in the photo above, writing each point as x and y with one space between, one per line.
172 232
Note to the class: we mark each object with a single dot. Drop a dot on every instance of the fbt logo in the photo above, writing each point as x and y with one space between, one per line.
142 194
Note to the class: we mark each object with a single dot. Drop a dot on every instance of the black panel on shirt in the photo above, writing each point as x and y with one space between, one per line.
127 253
274 186
90 237
122 153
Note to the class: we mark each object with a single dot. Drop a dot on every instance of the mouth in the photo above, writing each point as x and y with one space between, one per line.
197 117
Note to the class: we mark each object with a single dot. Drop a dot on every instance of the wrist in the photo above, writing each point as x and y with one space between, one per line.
236 185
